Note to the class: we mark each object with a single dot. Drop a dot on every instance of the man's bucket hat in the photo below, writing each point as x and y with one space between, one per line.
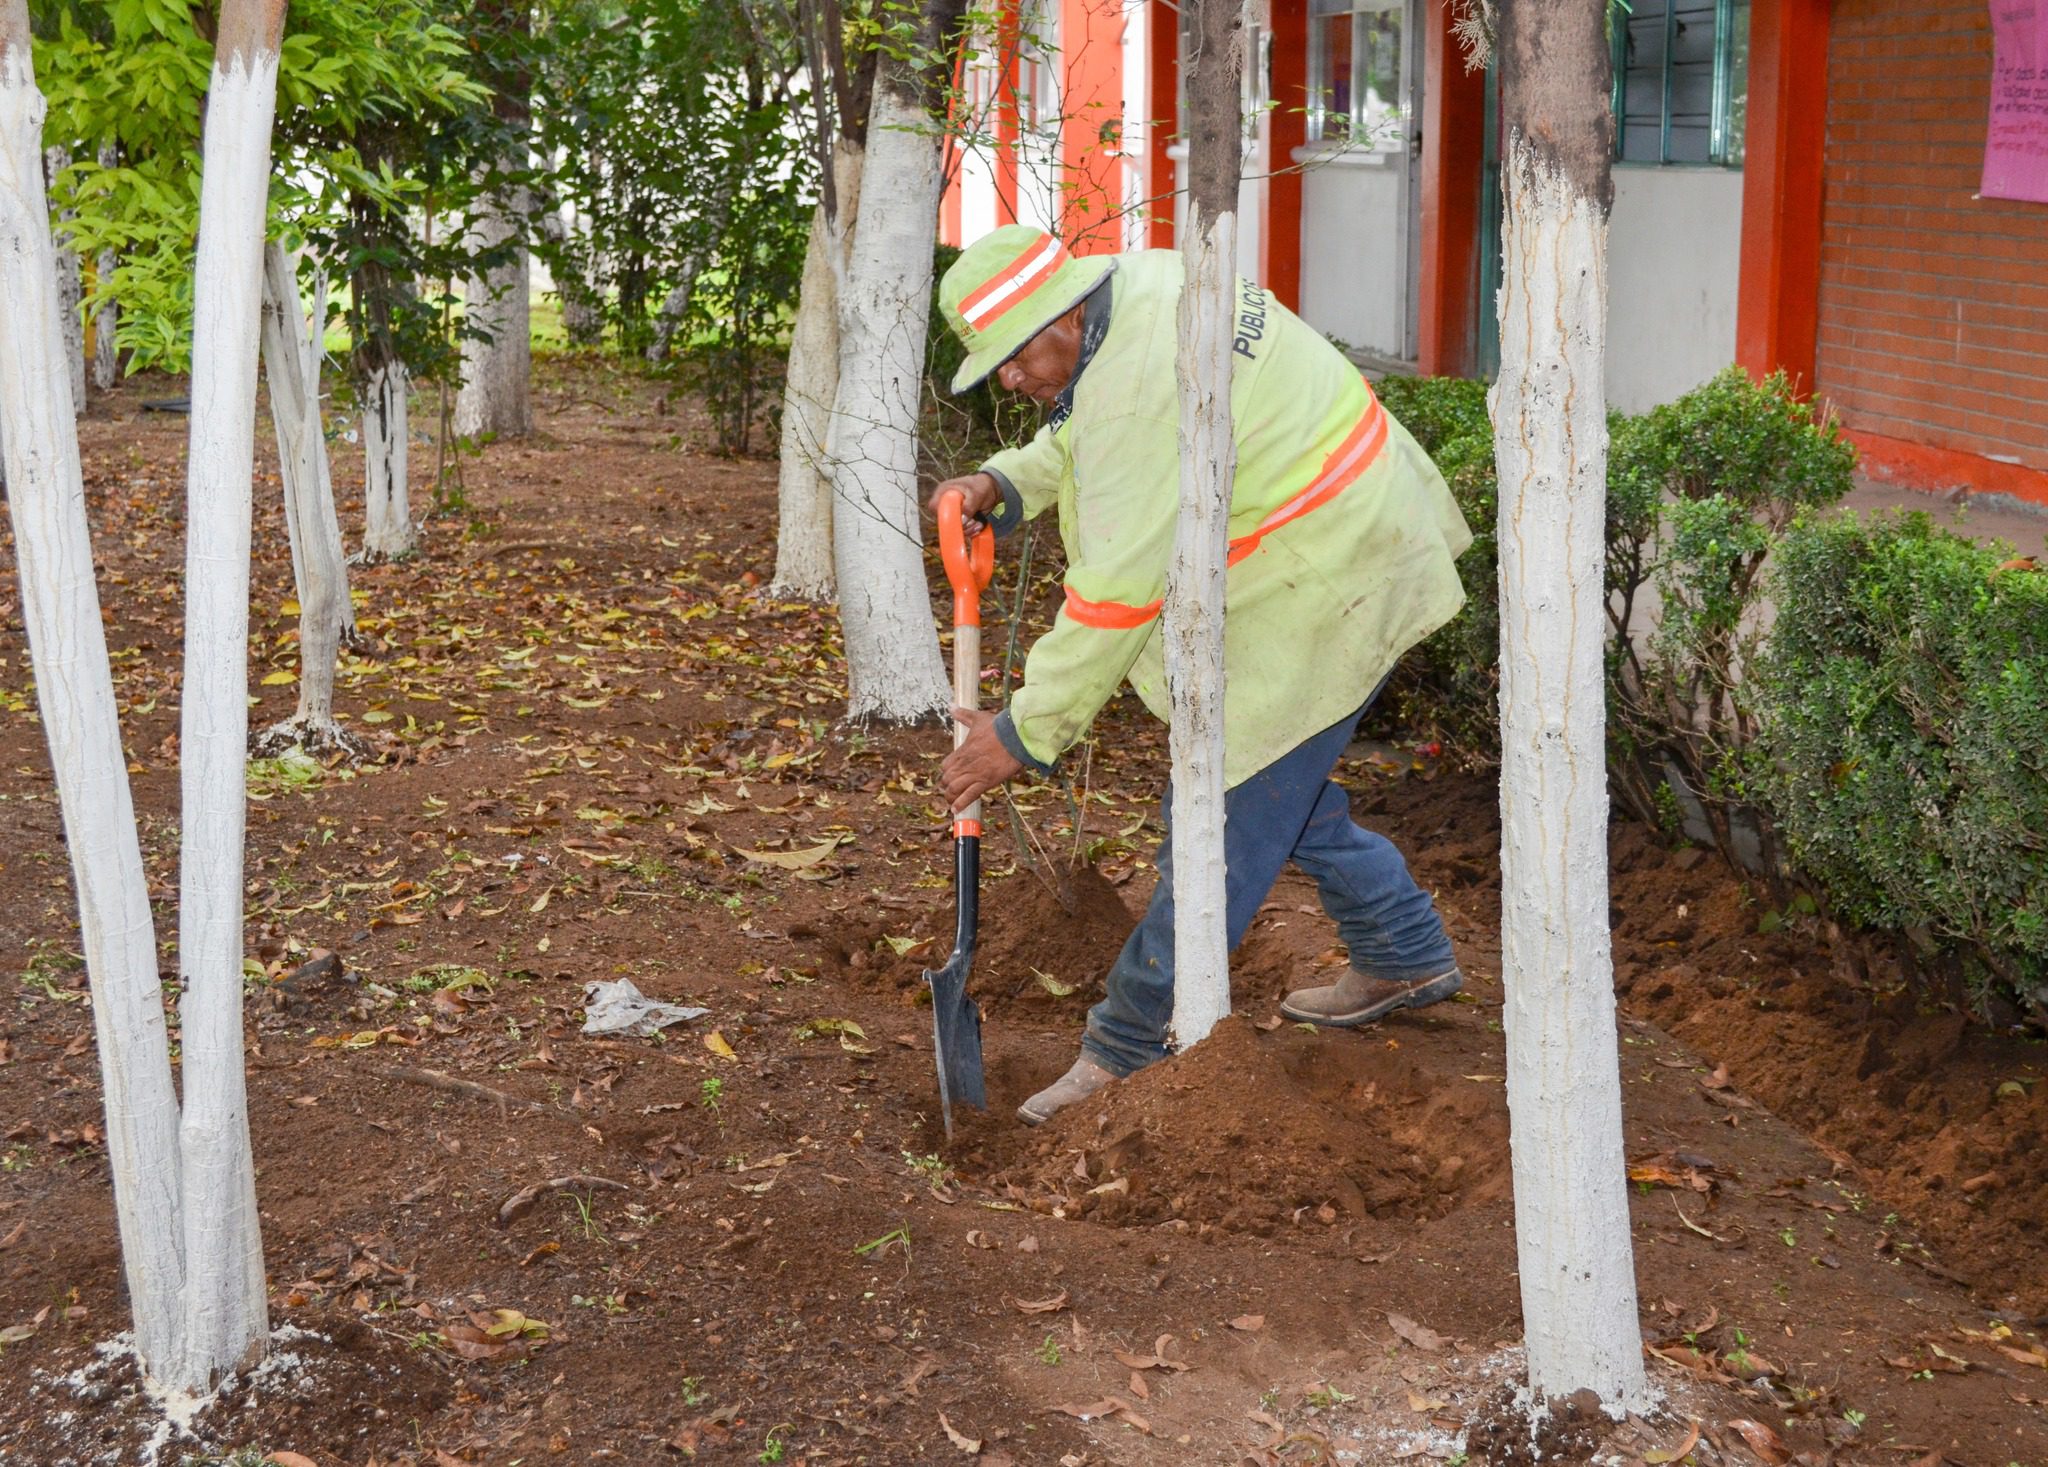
1008 286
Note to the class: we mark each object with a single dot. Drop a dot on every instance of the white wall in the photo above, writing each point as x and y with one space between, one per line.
977 194
1674 249
1353 274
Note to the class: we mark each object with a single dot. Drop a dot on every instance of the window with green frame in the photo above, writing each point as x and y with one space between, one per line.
1681 80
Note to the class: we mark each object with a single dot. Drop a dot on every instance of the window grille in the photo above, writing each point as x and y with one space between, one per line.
1681 81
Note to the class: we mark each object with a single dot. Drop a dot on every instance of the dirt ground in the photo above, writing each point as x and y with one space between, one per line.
608 753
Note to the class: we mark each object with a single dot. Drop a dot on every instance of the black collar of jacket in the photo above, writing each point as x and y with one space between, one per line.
1094 326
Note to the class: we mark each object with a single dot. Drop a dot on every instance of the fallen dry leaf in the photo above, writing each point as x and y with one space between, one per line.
1157 1360
968 1444
976 1238
1761 1440
20 1231
1420 1336
1249 1323
1042 1306
792 860
1138 1387
2025 1357
715 1042
1115 1406
1675 1454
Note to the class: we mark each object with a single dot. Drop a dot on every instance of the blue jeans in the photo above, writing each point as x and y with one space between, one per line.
1290 810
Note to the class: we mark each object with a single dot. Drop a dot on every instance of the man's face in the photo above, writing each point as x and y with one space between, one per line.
1045 365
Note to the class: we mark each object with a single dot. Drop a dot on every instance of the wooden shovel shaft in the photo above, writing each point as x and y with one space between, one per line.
966 694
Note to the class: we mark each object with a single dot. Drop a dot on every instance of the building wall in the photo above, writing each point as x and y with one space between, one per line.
1933 302
1674 249
1353 276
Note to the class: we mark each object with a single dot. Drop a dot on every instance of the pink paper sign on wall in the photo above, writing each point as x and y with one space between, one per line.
2016 145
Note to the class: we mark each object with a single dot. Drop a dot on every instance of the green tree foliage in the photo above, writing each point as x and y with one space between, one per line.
677 136
134 74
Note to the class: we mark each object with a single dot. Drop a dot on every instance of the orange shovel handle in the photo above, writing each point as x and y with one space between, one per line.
970 564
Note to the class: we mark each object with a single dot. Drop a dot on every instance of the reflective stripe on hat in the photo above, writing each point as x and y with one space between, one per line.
1351 458
986 304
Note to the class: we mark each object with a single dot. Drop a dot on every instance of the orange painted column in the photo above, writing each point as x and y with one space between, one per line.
1777 316
1162 126
1008 129
1286 130
1453 156
949 201
1091 62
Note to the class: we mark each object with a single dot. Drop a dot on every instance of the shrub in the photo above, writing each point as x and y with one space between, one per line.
1450 685
1699 490
1903 696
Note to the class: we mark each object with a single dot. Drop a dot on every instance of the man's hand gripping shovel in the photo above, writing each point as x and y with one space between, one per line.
956 1019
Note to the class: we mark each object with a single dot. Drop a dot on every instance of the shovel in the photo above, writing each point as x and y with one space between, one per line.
956 1019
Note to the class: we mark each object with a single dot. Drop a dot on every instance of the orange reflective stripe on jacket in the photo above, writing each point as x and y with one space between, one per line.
1345 463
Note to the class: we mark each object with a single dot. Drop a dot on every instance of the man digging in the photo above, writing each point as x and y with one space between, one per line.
1343 538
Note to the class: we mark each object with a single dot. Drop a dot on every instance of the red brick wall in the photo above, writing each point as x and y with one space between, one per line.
1933 303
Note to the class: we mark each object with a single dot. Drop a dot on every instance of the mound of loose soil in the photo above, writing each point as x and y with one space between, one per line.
1026 930
1941 1117
1309 1137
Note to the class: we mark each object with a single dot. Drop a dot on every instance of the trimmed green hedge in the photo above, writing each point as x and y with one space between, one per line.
1869 701
1450 685
1903 745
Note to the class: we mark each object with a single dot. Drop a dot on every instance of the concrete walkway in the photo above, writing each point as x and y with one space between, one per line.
1982 517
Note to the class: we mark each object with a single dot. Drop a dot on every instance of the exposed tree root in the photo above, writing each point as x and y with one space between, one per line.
318 737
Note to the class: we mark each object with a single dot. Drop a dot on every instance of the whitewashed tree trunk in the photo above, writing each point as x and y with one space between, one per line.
803 541
1564 1084
388 529
1193 623
226 1327
291 367
1193 609
106 322
582 313
60 609
70 288
894 670
496 373
675 306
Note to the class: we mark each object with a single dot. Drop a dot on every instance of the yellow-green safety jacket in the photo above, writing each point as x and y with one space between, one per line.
1342 533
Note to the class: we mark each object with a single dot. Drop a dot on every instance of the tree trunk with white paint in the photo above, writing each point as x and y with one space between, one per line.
60 609
1193 609
70 288
497 364
291 368
582 311
1564 1085
388 529
106 322
675 306
894 671
226 1328
803 542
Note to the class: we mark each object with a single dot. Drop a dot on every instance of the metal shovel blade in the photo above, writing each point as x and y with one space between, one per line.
956 1038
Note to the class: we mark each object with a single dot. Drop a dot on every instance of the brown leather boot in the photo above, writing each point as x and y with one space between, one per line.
1076 1085
1357 999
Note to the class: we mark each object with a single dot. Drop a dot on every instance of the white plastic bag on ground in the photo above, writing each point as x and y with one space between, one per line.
621 1008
